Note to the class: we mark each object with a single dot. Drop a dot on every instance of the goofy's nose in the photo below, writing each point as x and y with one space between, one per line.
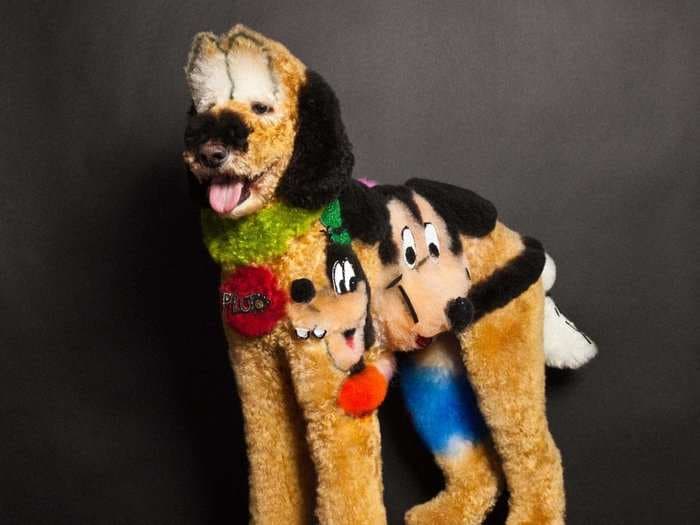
212 155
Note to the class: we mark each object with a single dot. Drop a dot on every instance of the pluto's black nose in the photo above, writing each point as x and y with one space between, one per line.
211 137
212 155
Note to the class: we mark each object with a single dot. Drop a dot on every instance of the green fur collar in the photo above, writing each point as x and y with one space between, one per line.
257 238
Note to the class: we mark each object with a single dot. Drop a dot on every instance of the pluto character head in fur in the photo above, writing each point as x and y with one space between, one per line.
261 124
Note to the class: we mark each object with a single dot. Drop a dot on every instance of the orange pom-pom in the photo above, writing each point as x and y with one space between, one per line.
363 392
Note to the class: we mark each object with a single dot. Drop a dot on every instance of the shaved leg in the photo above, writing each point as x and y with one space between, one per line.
505 362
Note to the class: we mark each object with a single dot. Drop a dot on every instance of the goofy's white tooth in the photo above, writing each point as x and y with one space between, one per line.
319 332
302 333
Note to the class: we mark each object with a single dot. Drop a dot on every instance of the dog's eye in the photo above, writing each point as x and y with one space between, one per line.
409 247
260 109
431 240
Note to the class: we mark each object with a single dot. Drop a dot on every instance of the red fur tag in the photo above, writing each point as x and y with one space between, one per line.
363 392
252 301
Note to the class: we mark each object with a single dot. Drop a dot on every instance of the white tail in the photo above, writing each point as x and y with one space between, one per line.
565 346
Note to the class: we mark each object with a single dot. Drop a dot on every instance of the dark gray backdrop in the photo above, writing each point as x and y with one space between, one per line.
579 121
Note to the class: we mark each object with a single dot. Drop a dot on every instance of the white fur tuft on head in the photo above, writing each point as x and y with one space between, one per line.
207 72
249 67
233 66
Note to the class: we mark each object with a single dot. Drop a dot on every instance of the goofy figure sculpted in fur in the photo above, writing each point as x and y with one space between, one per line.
323 277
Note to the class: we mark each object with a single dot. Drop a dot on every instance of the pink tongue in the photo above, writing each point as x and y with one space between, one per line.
224 195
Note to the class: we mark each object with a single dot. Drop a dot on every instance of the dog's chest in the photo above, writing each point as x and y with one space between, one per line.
259 257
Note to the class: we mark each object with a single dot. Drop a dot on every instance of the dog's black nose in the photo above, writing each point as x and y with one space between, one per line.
212 155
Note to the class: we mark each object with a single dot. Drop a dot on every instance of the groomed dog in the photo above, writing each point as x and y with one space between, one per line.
269 157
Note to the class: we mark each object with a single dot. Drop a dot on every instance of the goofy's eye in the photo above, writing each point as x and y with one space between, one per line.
431 240
344 277
260 109
409 247
350 279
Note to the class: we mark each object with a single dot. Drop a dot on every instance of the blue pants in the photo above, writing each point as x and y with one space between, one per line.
442 405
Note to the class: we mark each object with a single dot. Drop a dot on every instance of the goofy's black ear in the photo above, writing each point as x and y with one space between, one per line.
322 161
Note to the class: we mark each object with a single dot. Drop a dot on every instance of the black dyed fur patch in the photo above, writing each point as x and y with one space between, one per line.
357 367
509 281
302 290
460 312
402 194
227 127
370 335
322 161
463 210
388 251
366 216
364 213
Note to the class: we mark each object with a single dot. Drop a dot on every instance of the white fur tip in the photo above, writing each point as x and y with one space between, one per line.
549 272
564 345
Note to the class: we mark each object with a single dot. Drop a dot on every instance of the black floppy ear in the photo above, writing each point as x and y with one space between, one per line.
463 210
322 161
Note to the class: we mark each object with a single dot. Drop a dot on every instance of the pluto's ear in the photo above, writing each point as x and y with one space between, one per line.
322 160
207 72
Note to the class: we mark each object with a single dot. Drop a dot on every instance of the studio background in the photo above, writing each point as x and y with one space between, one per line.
579 120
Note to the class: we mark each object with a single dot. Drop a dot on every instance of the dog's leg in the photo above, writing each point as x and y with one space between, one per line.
281 474
444 412
471 488
345 450
505 361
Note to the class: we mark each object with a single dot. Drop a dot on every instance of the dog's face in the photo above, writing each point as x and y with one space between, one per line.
261 125
331 304
421 294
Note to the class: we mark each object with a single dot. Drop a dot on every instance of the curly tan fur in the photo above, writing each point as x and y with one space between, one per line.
505 362
288 386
